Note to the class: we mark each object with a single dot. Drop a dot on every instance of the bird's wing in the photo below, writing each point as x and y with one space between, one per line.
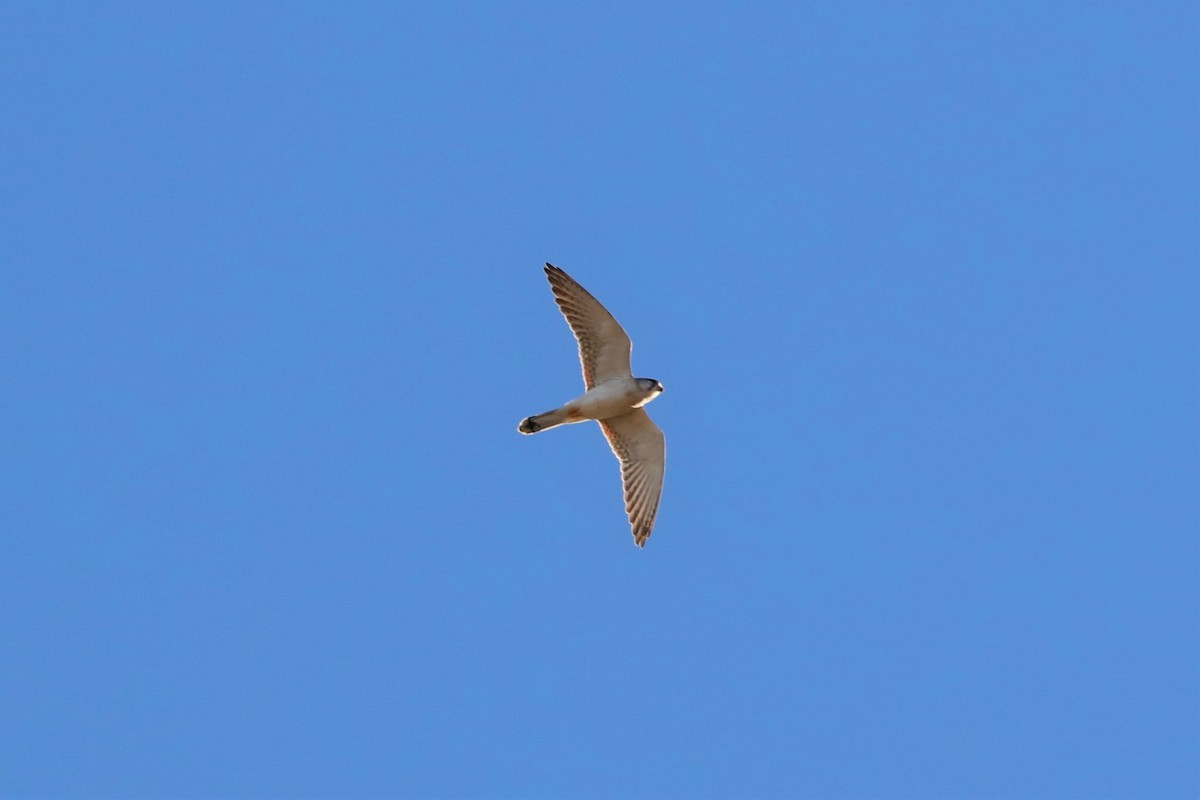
603 344
642 450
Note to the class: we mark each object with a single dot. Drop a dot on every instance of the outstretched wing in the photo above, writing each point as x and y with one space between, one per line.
603 344
642 450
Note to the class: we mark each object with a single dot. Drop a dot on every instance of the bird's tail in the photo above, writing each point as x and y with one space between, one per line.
541 422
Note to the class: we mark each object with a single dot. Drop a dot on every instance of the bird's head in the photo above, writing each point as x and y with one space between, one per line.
651 387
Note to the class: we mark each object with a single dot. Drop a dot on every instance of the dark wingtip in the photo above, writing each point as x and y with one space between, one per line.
555 275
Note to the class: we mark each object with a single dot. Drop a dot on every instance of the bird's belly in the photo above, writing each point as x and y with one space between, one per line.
603 402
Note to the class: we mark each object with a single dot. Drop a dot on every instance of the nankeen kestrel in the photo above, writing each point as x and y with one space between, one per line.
614 398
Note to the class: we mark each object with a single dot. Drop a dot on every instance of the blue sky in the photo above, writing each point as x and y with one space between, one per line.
920 279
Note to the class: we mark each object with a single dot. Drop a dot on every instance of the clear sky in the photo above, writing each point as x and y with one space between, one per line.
920 279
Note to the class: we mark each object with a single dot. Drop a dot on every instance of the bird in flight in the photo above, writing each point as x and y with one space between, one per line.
614 398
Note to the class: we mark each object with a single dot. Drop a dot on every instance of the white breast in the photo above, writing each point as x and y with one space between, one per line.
609 399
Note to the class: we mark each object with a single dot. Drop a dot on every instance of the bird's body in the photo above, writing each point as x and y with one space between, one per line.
610 399
614 398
